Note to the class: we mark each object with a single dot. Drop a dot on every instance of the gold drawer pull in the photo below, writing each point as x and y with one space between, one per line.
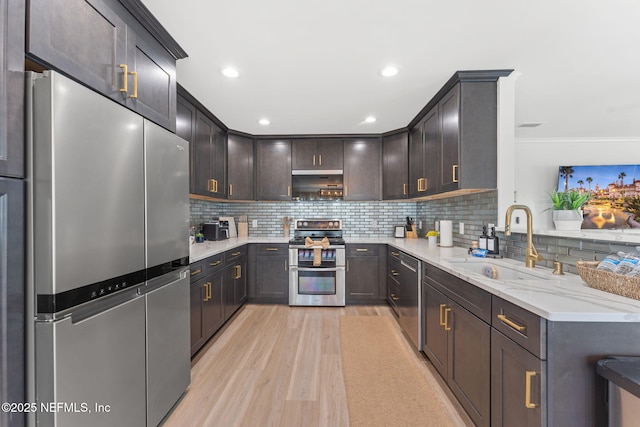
446 319
213 264
236 253
394 297
394 273
193 273
442 306
271 249
527 392
511 323
362 250
238 271
395 253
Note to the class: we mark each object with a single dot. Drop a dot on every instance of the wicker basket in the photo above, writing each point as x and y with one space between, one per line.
618 284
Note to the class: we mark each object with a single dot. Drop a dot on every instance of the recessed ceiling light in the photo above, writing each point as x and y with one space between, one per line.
264 122
389 71
370 119
230 72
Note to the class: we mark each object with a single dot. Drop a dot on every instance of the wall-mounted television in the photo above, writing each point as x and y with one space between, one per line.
614 191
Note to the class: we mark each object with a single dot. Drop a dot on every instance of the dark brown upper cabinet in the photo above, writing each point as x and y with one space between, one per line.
273 169
114 47
321 154
395 161
362 169
240 166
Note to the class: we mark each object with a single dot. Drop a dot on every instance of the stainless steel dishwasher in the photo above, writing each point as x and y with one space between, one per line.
410 299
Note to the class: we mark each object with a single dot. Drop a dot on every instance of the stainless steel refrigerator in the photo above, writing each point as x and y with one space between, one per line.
108 260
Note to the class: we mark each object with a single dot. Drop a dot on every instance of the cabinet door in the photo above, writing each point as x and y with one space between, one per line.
240 282
219 161
395 162
450 138
198 296
153 94
435 343
304 154
330 154
416 160
12 13
186 129
272 278
362 279
469 364
228 292
203 151
240 163
518 389
83 38
274 170
212 307
362 169
431 153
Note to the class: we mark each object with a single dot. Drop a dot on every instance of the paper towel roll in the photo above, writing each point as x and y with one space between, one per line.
446 233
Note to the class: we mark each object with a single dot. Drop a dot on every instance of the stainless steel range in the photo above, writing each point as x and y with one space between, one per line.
317 263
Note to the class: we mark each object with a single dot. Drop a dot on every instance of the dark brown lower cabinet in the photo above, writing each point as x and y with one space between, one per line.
365 278
269 279
518 389
458 344
207 314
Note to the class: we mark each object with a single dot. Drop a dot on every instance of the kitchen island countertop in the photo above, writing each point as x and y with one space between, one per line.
557 298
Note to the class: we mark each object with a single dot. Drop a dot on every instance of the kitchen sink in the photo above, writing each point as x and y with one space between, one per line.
496 270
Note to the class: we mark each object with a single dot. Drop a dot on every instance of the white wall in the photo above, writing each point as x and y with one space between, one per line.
536 167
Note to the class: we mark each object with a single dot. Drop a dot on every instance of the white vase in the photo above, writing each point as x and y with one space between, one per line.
433 241
567 220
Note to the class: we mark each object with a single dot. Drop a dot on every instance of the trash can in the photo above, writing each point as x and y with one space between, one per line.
623 375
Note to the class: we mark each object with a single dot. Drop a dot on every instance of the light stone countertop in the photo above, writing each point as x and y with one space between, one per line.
557 298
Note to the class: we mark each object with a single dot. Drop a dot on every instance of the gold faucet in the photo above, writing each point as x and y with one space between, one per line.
532 254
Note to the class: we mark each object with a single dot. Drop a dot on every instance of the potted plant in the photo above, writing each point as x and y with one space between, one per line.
567 209
432 237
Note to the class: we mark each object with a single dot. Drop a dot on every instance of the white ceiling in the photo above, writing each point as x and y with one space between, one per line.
313 66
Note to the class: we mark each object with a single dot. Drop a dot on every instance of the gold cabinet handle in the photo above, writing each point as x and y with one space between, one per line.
314 160
230 189
422 184
216 182
394 273
210 185
288 190
394 297
454 173
404 189
395 253
511 323
286 265
271 249
238 271
193 273
527 392
446 319
236 253
135 84
362 250
345 191
320 157
347 266
125 78
213 264
442 307
207 291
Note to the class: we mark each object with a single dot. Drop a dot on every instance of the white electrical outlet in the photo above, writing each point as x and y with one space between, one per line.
461 226
254 224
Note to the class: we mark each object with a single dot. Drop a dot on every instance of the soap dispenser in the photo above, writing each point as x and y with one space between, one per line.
493 242
483 240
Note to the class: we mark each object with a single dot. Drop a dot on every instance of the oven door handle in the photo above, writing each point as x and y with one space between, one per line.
295 268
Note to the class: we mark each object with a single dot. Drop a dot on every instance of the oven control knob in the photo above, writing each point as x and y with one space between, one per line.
299 223
330 224
305 223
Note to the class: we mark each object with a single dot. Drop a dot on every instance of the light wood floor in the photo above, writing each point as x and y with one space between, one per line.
275 365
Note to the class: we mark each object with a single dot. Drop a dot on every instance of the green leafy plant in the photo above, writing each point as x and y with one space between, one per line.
568 200
632 205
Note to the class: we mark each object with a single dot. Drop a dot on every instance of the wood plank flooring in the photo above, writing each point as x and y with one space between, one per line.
275 365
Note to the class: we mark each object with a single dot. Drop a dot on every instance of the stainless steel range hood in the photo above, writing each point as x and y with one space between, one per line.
317 184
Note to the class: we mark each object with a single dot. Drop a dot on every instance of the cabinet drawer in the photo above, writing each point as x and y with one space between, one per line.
474 299
233 254
214 263
393 253
263 249
197 270
362 250
525 328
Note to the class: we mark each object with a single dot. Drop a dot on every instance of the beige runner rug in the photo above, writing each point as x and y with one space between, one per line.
384 387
